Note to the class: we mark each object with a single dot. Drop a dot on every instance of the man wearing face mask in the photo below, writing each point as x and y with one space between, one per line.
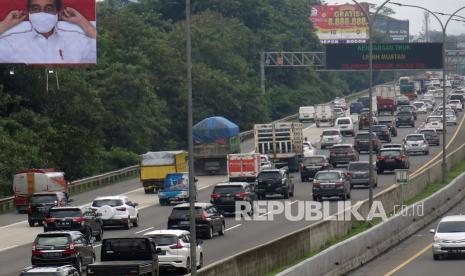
44 42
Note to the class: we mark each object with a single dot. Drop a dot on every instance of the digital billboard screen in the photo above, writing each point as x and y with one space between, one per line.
386 56
48 32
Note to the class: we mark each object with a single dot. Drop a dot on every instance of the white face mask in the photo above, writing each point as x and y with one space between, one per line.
43 22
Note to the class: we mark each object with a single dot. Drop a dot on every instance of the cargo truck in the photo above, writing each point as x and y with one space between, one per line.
282 142
243 167
385 99
154 166
324 113
407 88
30 181
214 139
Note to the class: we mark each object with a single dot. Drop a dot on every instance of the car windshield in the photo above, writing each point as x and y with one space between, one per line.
404 114
65 213
454 101
327 176
392 146
343 122
405 107
43 198
358 167
313 160
330 132
268 175
183 212
163 240
52 240
341 148
451 227
427 132
109 202
378 127
227 189
363 136
456 97
434 119
418 105
414 138
389 152
130 249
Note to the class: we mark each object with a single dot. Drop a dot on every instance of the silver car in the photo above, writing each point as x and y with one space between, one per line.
416 143
449 237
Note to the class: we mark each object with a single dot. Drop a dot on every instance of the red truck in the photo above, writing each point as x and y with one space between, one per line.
29 181
386 99
243 166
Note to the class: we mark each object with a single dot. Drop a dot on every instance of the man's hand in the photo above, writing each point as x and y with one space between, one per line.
71 15
12 19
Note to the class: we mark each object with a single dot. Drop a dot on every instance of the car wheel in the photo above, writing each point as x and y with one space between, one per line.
286 194
187 270
436 257
200 261
380 171
210 233
315 198
128 224
99 237
351 186
302 179
221 232
78 265
135 223
427 152
344 196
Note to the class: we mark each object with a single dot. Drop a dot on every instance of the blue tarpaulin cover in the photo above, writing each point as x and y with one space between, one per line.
216 128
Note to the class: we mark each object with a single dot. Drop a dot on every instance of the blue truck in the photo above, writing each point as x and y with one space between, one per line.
175 189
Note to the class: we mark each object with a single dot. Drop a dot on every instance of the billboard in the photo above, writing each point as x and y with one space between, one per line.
388 56
339 23
395 30
48 32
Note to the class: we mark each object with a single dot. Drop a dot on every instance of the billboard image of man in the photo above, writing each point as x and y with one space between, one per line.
41 40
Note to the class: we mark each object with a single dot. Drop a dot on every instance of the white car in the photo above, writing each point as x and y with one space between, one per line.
416 143
339 112
457 103
173 249
393 146
434 122
309 150
330 137
448 236
451 119
345 125
420 107
117 211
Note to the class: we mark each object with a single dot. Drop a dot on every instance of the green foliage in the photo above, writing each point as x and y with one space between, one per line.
98 119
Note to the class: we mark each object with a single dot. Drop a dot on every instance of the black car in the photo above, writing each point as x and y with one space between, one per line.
75 218
342 154
225 196
362 142
405 118
408 108
382 132
313 164
209 220
40 204
391 159
62 248
329 184
271 182
358 173
390 125
431 136
65 270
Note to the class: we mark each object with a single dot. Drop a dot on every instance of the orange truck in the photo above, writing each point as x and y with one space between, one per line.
243 166
29 181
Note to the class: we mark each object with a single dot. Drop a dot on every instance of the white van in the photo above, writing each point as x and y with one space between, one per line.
345 125
306 114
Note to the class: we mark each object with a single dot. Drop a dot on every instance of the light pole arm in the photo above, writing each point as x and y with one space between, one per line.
452 15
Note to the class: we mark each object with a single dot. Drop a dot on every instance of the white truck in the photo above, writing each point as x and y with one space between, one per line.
324 113
282 142
243 166
306 114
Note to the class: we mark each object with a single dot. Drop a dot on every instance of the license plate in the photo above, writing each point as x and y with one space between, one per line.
330 139
227 199
53 254
327 186
414 145
184 222
162 252
63 223
389 160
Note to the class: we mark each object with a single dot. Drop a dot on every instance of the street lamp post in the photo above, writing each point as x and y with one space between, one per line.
190 142
371 22
444 132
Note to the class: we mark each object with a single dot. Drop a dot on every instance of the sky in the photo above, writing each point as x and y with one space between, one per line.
416 17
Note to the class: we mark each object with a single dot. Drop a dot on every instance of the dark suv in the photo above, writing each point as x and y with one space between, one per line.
391 159
431 136
408 108
342 154
309 166
62 248
40 204
225 195
383 133
390 125
362 142
208 219
270 182
405 118
65 270
75 218
329 184
358 173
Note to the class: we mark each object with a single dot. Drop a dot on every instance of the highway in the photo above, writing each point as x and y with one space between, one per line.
17 236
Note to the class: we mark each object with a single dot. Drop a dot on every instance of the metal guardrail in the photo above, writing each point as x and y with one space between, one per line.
85 184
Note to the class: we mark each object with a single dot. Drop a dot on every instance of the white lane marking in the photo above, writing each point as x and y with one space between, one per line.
138 232
8 248
98 245
290 203
232 227
265 214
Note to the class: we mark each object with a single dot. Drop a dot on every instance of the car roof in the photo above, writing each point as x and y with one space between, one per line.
226 184
390 149
331 129
271 170
330 171
453 218
67 207
344 118
58 232
342 145
197 204
109 197
45 193
414 134
167 232
427 129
